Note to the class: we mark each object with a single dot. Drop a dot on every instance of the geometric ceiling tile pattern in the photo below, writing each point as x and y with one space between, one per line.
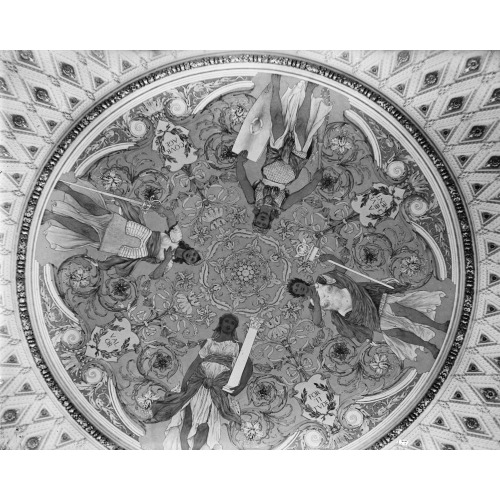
453 97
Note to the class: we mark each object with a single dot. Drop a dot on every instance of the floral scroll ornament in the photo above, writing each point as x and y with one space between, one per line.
159 363
111 179
411 269
78 276
372 252
268 393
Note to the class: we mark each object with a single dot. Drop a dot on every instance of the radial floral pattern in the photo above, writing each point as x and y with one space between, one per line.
127 328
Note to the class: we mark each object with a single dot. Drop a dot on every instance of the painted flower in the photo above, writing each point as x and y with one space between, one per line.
205 315
341 351
411 265
268 393
200 234
120 289
252 431
147 399
341 144
149 192
277 330
245 271
286 229
372 252
328 182
77 278
339 355
138 398
111 180
411 269
380 364
198 90
305 267
237 114
53 316
157 362
292 310
237 215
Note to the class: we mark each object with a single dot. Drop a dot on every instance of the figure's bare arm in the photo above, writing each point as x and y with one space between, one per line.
317 316
158 272
241 175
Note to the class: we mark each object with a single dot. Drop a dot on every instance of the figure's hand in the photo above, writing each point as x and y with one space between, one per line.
242 156
156 274
313 294
318 175
324 258
167 254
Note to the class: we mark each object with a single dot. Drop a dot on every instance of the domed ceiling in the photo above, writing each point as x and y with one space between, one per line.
249 251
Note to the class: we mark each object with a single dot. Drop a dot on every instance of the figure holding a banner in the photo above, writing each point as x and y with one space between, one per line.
286 125
196 412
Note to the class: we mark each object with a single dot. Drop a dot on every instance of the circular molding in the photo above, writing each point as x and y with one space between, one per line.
381 102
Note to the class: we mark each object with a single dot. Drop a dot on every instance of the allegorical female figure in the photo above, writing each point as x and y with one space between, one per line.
80 220
296 118
196 413
358 310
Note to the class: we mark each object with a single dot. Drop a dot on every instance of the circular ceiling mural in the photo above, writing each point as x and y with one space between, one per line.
244 254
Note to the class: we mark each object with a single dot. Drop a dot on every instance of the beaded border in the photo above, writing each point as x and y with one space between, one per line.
314 68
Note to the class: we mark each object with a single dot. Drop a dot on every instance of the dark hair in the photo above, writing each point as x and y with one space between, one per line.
374 191
184 246
217 331
292 282
273 215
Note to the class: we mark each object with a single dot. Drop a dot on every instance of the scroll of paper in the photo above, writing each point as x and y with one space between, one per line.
239 366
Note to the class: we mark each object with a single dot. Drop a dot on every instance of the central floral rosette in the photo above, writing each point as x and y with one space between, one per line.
245 272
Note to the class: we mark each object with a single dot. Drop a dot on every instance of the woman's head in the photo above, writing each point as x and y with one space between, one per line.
189 255
298 287
263 217
227 326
